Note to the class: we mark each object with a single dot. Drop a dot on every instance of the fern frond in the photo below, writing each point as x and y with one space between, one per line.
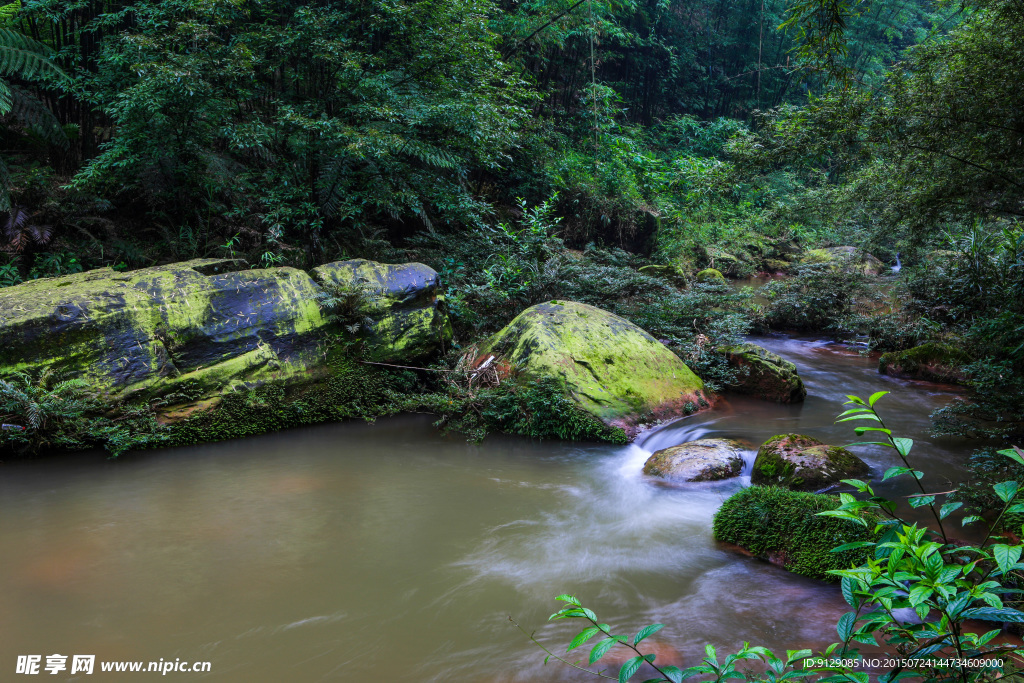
37 117
26 58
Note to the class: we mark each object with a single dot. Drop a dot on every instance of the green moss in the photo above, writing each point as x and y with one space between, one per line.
932 361
609 366
782 526
710 275
800 462
354 390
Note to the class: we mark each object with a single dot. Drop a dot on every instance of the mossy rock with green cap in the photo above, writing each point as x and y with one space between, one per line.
711 276
803 463
606 364
764 374
199 328
400 314
846 259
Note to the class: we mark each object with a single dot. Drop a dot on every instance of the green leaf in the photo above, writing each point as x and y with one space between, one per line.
845 625
629 668
863 416
875 396
584 635
903 445
970 520
851 546
1006 490
1013 454
921 501
991 614
949 508
673 673
860 430
847 586
1006 556
602 648
842 514
565 597
647 631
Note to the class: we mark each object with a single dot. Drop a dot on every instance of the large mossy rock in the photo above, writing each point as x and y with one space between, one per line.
188 328
711 276
802 463
932 361
764 374
701 460
397 307
783 527
847 259
609 366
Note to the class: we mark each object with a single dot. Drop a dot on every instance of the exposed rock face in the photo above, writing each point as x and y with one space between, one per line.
702 460
802 463
400 313
765 374
159 330
608 365
847 259
932 361
711 276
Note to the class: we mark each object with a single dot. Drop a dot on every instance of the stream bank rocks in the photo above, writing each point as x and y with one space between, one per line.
610 367
933 361
208 327
799 462
764 374
693 461
846 259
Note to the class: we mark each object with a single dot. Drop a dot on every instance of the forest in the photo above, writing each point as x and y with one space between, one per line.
704 170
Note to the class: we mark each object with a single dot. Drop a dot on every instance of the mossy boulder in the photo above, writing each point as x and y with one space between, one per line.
846 259
396 306
711 276
673 274
609 366
803 463
933 361
194 328
701 460
764 374
777 266
783 527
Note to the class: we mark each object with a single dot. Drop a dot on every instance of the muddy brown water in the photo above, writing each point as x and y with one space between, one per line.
388 552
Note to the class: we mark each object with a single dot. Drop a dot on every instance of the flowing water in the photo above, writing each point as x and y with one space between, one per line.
388 552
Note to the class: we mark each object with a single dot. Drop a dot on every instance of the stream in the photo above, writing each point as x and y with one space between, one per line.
390 552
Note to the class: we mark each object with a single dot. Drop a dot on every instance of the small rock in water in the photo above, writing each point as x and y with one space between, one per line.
702 460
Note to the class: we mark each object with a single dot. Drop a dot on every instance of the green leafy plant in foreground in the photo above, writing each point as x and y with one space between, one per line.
916 570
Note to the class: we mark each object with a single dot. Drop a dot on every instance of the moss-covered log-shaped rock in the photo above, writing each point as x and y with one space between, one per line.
783 527
932 361
847 259
801 463
764 374
396 307
701 460
194 328
608 365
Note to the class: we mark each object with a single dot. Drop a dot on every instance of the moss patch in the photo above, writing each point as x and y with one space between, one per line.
932 361
764 374
782 527
609 366
800 462
711 275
